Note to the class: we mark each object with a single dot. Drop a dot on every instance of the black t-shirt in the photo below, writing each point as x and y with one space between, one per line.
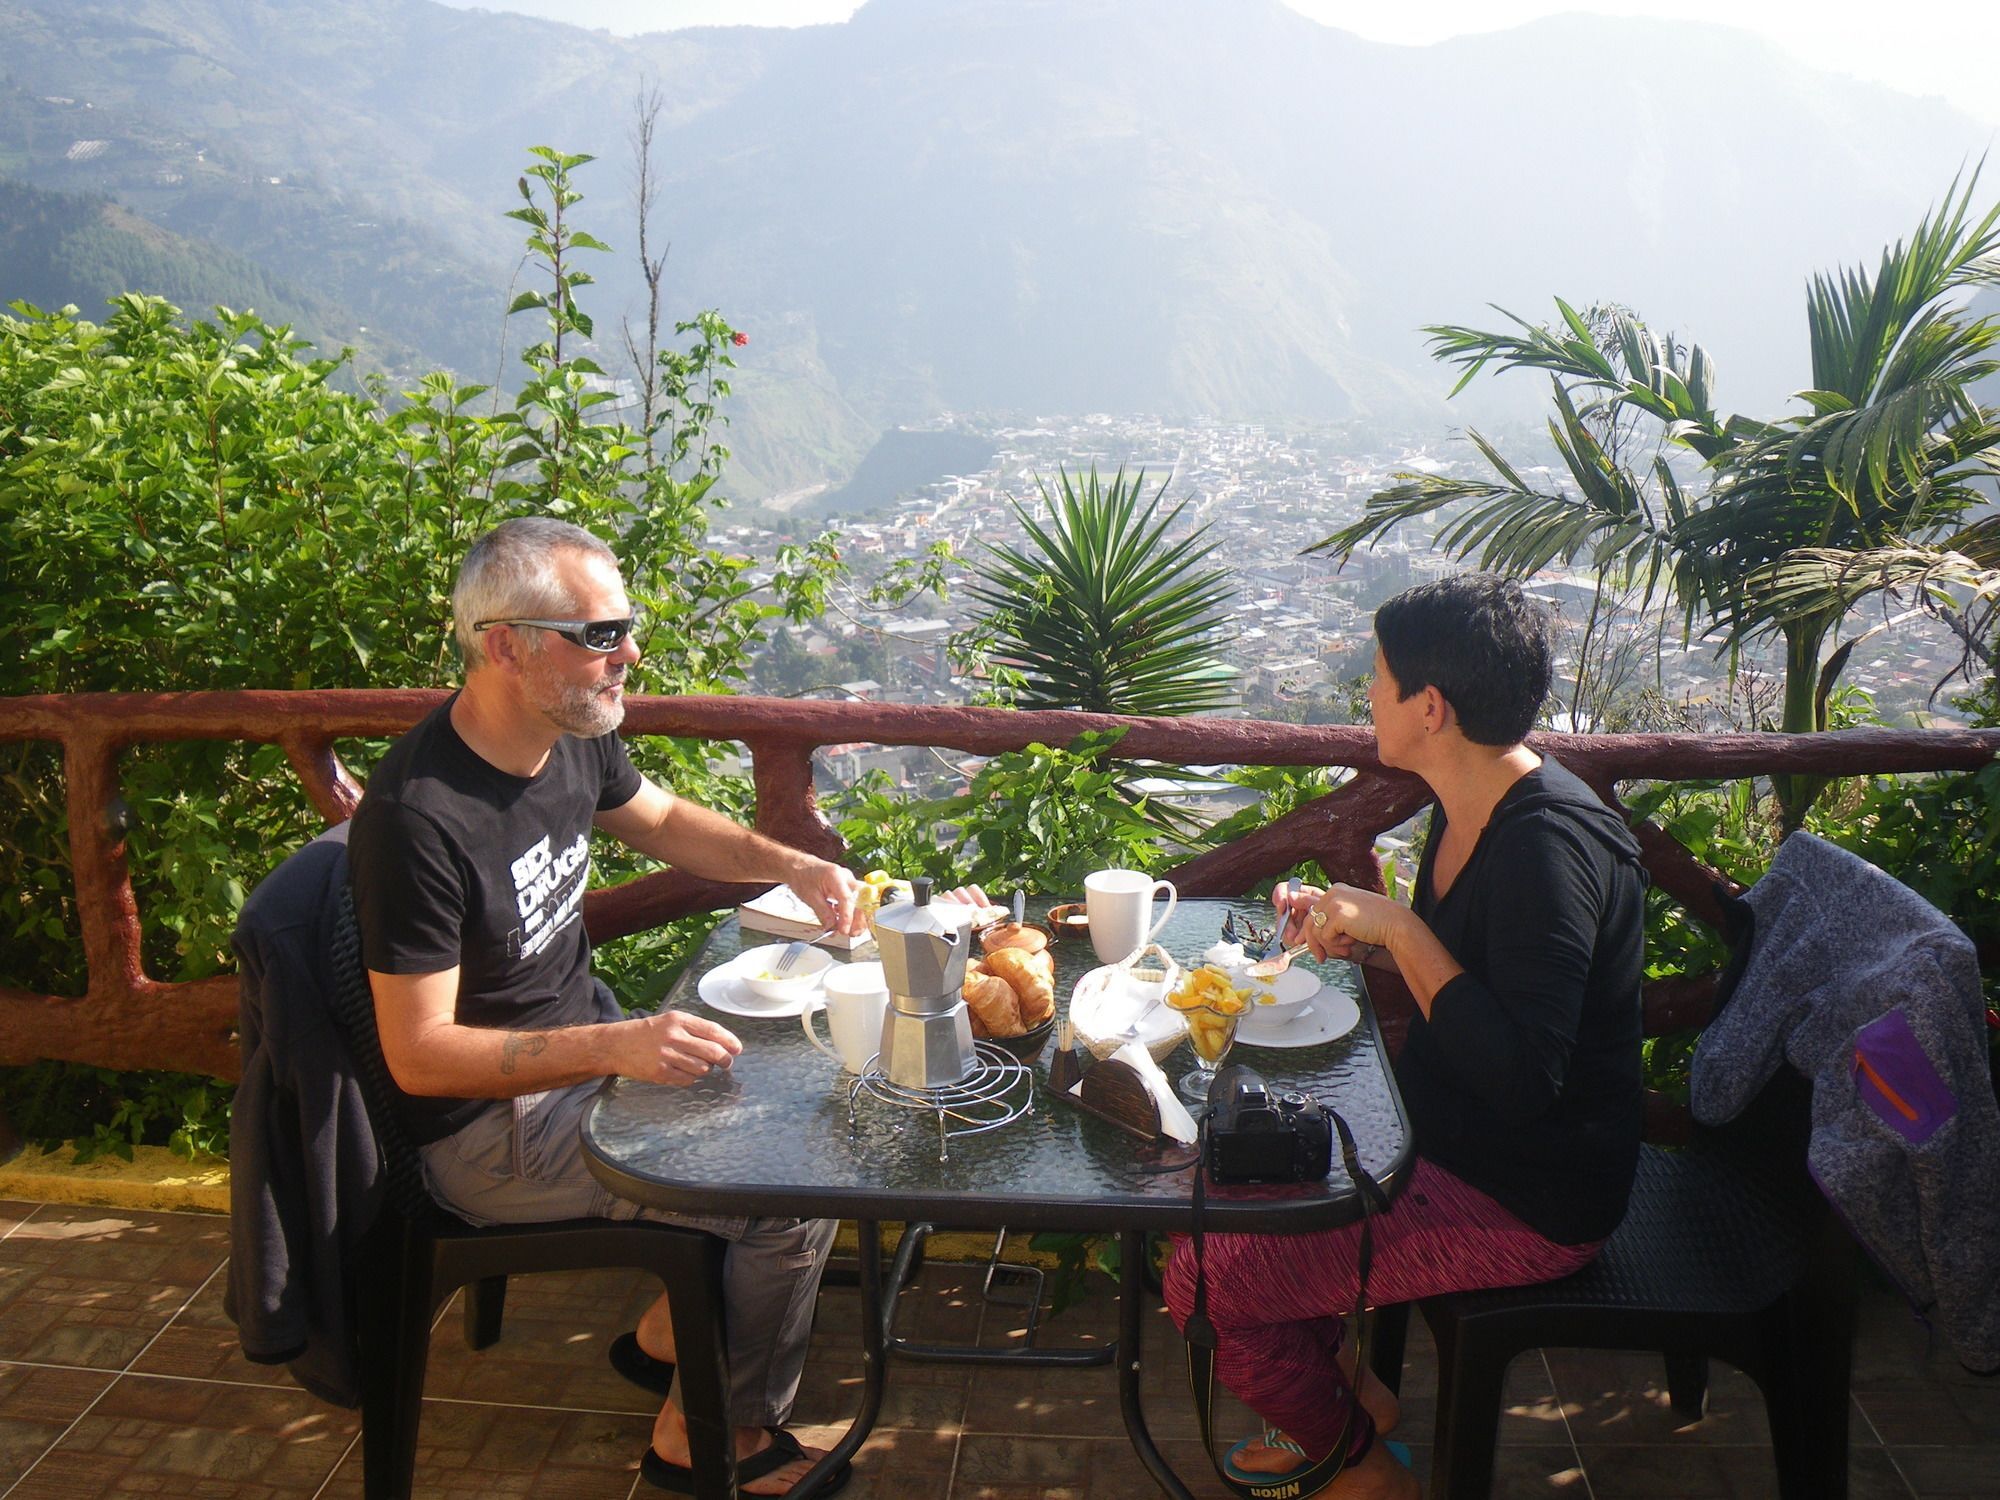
1525 1081
458 864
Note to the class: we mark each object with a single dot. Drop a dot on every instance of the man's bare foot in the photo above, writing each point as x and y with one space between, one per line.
1377 1477
1376 1398
670 1442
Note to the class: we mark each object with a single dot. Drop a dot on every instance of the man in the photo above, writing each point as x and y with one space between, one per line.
470 855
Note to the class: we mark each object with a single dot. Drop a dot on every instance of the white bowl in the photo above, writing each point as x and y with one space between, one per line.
1280 999
754 967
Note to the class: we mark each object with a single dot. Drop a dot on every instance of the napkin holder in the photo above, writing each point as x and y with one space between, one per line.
1110 1089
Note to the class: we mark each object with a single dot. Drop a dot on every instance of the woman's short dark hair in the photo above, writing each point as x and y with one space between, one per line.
1478 640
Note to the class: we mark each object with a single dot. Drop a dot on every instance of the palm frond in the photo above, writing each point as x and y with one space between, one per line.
1103 608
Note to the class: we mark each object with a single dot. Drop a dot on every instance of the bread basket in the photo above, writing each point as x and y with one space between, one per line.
1105 1002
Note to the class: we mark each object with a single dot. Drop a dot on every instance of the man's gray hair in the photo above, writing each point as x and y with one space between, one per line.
510 573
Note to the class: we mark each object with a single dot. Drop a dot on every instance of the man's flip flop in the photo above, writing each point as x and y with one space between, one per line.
678 1479
639 1367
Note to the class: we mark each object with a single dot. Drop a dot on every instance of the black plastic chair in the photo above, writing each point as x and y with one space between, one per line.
418 1254
1728 1252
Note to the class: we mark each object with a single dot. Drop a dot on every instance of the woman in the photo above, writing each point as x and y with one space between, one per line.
1524 950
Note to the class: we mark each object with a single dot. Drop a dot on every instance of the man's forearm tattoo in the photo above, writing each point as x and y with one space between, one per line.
519 1044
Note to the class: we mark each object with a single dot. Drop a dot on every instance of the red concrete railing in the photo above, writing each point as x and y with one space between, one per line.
128 1019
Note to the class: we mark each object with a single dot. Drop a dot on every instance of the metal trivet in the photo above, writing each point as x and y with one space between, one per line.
984 1100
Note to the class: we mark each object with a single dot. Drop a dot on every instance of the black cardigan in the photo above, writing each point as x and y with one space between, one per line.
1525 1080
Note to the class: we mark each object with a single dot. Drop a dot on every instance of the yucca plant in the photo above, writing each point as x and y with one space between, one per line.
1101 609
1893 450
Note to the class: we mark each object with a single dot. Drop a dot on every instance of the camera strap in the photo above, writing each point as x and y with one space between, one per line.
1199 1332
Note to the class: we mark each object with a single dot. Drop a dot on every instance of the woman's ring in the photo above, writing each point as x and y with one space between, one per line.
1319 919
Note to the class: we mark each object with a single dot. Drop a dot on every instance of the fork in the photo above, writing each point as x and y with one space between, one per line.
794 951
1270 967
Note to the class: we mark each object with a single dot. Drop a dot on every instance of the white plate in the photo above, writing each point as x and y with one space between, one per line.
1329 1016
722 988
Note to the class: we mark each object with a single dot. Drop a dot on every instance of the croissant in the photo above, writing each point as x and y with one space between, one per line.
1004 935
990 1000
1033 978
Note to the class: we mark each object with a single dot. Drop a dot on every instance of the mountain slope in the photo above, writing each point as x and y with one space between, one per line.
1011 205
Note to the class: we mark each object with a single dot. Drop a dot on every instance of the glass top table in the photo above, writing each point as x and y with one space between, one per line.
776 1135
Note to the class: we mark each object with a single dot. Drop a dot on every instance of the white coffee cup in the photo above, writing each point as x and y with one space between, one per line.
1120 904
855 998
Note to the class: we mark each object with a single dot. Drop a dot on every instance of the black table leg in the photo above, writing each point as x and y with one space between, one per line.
702 1383
870 1254
1132 1301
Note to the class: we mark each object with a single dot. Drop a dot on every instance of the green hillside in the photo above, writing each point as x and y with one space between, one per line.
60 248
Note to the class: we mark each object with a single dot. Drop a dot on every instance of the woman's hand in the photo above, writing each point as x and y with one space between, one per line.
1336 923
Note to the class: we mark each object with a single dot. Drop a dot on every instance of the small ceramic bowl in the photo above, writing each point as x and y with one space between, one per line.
757 970
1069 921
1028 1045
993 928
1289 993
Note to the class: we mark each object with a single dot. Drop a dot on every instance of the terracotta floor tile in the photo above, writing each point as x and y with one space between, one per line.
90 1286
1892 1349
912 1397
878 1483
1980 1406
37 1404
200 1343
1932 1417
1048 1463
907 1451
552 1345
1753 1475
1532 1473
1947 1473
1045 1403
487 1452
186 1437
1622 1398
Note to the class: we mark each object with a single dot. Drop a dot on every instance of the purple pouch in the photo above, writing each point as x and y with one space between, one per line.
1894 1075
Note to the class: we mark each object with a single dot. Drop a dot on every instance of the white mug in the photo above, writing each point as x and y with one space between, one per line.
1120 902
855 998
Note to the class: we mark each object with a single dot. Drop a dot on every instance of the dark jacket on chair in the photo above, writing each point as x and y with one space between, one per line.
306 1179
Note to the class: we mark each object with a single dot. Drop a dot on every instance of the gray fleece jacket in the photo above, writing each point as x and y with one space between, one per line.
1872 994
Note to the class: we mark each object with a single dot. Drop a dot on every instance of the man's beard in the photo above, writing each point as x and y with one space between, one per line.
583 711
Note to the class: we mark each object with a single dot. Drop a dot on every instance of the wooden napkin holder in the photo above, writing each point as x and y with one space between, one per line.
1111 1089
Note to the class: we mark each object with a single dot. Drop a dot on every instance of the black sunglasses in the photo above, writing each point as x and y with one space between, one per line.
601 636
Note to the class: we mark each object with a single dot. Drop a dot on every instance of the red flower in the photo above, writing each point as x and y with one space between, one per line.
739 339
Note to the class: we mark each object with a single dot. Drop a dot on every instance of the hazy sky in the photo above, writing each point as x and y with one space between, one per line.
1945 47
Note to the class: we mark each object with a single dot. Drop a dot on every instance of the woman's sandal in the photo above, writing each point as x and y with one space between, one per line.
1270 1437
639 1367
678 1479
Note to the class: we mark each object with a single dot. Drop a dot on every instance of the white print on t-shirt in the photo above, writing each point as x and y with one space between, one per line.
548 888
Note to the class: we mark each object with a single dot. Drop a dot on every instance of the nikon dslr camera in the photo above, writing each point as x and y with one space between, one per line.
1256 1135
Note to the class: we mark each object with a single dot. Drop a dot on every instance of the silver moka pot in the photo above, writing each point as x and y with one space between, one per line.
926 1034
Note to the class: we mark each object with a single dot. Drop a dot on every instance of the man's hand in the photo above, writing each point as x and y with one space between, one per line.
831 891
673 1047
